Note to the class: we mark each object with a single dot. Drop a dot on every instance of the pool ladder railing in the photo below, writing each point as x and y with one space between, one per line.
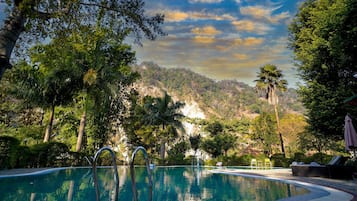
132 173
95 177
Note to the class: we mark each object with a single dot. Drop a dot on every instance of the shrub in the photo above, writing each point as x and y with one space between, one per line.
244 160
8 151
299 157
320 158
52 154
279 160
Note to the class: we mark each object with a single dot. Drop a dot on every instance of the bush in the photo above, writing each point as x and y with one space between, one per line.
279 160
299 157
244 160
53 154
8 151
320 158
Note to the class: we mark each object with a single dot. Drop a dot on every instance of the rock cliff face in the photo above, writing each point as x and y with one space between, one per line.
206 98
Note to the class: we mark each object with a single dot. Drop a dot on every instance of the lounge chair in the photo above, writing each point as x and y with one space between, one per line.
334 169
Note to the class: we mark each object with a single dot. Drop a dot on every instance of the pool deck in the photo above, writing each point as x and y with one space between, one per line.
341 190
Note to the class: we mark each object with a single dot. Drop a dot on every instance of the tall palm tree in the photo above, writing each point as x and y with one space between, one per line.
269 82
163 112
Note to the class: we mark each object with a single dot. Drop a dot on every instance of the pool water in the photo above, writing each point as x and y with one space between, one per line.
169 184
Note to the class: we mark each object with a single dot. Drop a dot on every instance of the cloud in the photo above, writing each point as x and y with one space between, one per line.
207 30
251 26
250 41
205 34
205 1
260 12
240 56
204 39
178 16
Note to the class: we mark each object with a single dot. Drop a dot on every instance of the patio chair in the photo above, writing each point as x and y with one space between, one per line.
253 163
267 163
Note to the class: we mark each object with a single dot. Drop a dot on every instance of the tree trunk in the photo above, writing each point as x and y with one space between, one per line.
162 149
82 126
9 34
49 127
278 128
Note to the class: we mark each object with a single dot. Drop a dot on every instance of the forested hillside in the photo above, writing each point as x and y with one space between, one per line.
224 99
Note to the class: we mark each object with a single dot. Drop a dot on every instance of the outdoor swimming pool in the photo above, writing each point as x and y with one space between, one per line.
169 184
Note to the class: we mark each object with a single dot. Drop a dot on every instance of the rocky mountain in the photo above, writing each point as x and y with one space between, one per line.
206 98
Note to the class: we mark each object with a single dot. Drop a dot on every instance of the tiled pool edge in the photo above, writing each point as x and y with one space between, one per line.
318 192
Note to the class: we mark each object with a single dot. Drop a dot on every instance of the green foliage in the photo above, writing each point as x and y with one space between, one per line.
243 160
323 36
264 131
8 149
318 142
218 144
214 128
176 155
195 142
52 154
279 160
225 99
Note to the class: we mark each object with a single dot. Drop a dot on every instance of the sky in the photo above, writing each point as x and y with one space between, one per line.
223 39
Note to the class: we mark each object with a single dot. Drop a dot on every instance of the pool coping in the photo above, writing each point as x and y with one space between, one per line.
317 192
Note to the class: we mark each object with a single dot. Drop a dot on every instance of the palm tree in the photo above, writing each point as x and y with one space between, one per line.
269 82
164 112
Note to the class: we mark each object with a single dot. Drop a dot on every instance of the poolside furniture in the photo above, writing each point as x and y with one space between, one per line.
267 163
253 163
219 164
335 169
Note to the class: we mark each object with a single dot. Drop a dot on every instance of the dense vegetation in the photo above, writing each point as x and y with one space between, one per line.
225 99
65 99
323 36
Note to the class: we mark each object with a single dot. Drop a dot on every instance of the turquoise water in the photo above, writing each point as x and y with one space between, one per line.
169 184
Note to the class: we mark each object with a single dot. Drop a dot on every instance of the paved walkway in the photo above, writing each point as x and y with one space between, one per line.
348 186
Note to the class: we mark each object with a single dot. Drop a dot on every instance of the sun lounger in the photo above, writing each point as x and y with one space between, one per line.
334 169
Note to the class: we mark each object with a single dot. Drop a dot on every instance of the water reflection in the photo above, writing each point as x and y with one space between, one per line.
175 183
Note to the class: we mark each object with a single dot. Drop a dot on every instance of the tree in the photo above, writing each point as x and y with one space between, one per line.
30 20
323 36
270 82
264 131
106 74
46 82
219 142
163 112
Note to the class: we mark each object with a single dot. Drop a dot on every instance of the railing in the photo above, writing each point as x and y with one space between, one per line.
95 178
132 173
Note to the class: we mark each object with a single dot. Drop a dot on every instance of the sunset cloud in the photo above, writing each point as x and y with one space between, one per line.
240 56
222 39
204 39
178 16
208 30
260 12
251 26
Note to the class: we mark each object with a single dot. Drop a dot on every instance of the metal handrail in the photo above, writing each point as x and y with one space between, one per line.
95 179
132 173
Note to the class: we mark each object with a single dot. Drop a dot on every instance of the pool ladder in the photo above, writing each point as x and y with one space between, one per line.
95 177
132 173
116 177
